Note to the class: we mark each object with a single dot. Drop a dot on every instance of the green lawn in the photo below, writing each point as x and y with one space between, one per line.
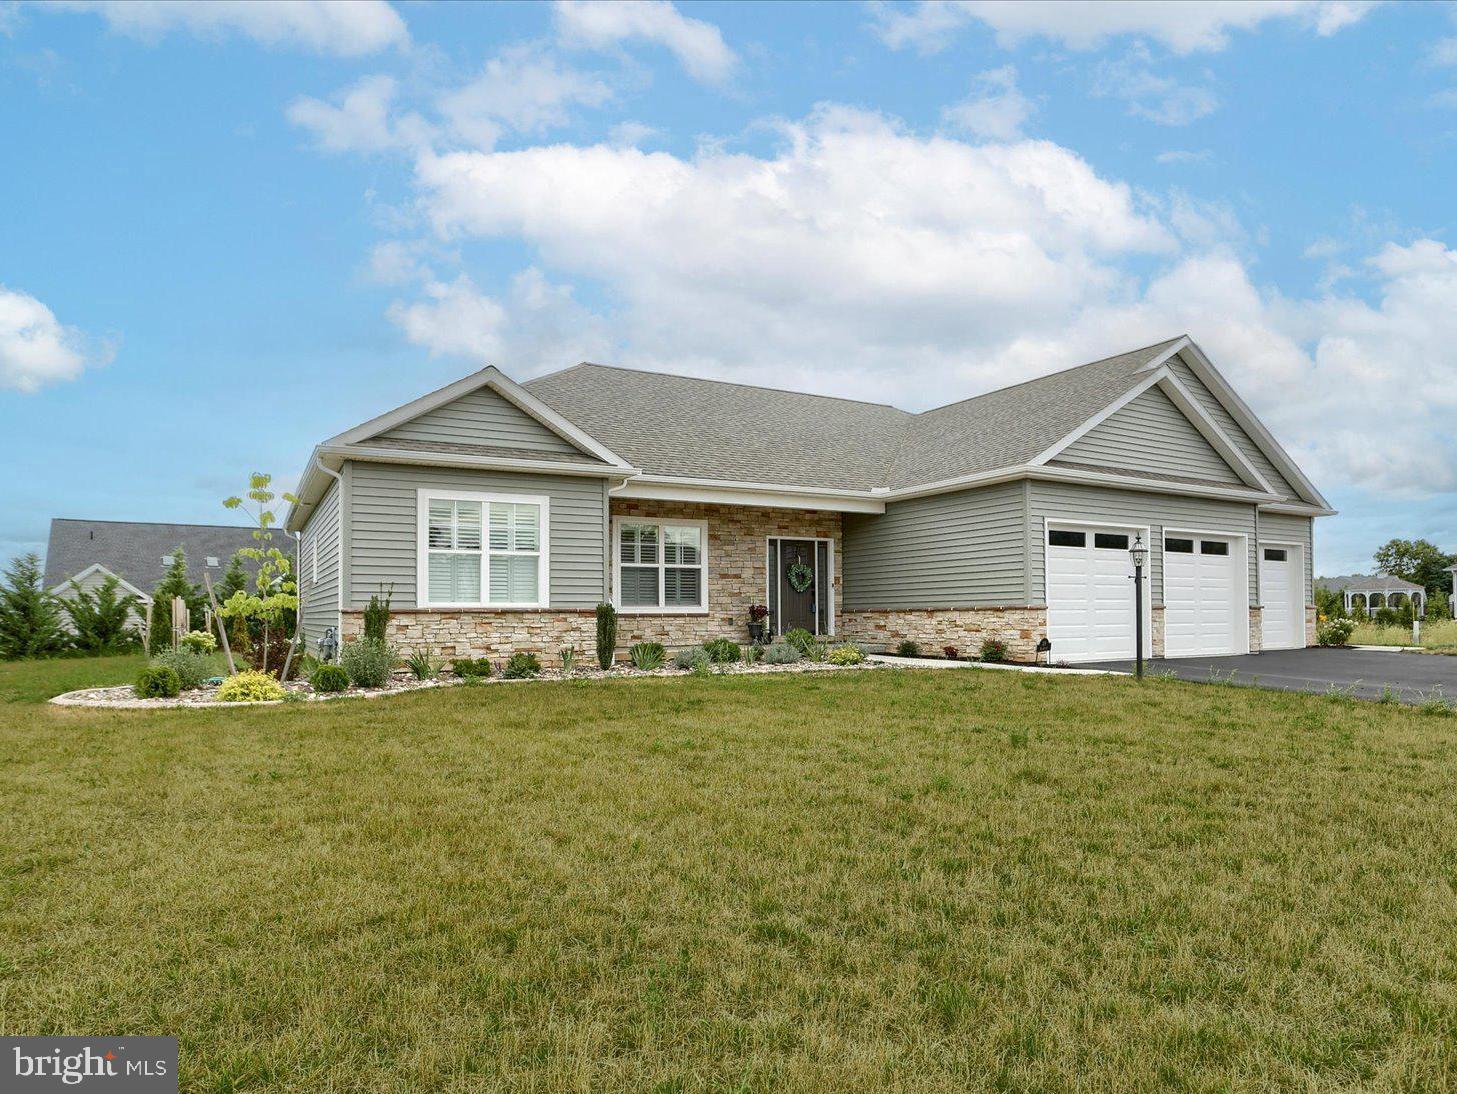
1436 634
891 880
37 681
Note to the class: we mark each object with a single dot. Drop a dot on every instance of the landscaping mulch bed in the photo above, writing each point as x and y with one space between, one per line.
124 697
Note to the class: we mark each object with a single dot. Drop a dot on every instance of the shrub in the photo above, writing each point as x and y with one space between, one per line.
521 666
472 669
198 642
606 635
368 661
157 682
569 659
1387 617
908 649
423 665
250 687
101 619
328 679
800 639
377 615
993 649
691 658
845 654
951 652
30 622
781 653
647 656
1334 632
723 651
753 654
191 668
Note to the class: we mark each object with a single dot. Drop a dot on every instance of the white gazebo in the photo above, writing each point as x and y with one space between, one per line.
1373 593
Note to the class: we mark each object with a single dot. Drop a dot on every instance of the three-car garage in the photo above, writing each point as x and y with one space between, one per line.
1199 578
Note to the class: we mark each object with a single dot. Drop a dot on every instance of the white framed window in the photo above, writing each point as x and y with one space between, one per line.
482 550
660 565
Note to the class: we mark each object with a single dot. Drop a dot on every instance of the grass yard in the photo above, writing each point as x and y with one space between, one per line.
910 880
1436 634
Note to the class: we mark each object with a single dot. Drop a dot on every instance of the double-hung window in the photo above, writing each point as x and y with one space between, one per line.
661 565
482 550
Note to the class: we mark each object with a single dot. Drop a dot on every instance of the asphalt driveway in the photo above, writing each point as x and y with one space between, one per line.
1364 673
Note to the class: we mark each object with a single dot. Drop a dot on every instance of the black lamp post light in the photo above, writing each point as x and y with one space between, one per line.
1139 553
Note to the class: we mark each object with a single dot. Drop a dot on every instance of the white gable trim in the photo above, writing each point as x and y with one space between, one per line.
1182 398
488 377
1239 410
95 568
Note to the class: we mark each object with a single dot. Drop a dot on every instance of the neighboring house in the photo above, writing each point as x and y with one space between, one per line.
1374 593
138 554
499 514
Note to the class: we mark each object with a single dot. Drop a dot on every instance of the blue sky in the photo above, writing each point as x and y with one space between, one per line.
234 229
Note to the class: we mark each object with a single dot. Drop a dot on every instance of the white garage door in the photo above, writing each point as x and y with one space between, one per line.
1202 596
1282 587
1090 593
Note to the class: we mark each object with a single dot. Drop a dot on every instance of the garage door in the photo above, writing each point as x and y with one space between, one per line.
1202 596
1282 587
1089 592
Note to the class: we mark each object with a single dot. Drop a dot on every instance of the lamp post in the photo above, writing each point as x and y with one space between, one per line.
1139 553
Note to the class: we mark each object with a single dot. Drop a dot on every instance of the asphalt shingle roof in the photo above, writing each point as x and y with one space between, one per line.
133 550
1361 583
710 429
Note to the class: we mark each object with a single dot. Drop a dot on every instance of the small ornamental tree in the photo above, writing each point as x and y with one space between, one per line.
267 612
101 618
30 621
174 583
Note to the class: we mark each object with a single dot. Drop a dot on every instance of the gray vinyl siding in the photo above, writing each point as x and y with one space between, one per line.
481 417
1283 528
1151 434
966 549
383 539
1073 502
321 596
1241 439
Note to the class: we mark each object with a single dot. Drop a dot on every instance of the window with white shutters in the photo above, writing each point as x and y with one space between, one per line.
483 550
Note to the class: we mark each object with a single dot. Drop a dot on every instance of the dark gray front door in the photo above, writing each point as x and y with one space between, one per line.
796 609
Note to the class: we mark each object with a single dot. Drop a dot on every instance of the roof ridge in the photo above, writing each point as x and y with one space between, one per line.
156 523
726 383
1049 375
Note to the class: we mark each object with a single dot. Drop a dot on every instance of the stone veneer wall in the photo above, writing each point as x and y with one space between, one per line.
737 567
1257 632
1021 628
1156 623
1310 622
737 577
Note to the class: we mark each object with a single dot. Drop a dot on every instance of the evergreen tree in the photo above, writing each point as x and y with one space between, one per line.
30 621
235 579
174 583
102 619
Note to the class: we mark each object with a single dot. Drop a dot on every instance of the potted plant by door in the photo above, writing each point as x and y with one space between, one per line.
758 623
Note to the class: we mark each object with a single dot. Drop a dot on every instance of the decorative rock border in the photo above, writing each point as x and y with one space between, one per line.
123 697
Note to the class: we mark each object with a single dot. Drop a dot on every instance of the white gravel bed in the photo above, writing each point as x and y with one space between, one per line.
124 697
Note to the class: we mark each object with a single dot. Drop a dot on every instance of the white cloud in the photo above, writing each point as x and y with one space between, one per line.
1186 27
539 326
36 349
359 119
633 134
1160 99
1444 51
996 107
524 89
346 28
698 46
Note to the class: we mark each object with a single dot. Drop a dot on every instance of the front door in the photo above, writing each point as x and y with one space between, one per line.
797 604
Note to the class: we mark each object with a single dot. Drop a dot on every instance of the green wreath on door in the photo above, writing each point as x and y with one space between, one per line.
801 577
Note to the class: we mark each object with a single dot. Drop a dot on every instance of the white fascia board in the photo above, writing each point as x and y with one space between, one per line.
1240 411
94 568
502 385
1296 510
297 513
1162 378
371 454
718 492
1090 478
1167 355
1097 419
